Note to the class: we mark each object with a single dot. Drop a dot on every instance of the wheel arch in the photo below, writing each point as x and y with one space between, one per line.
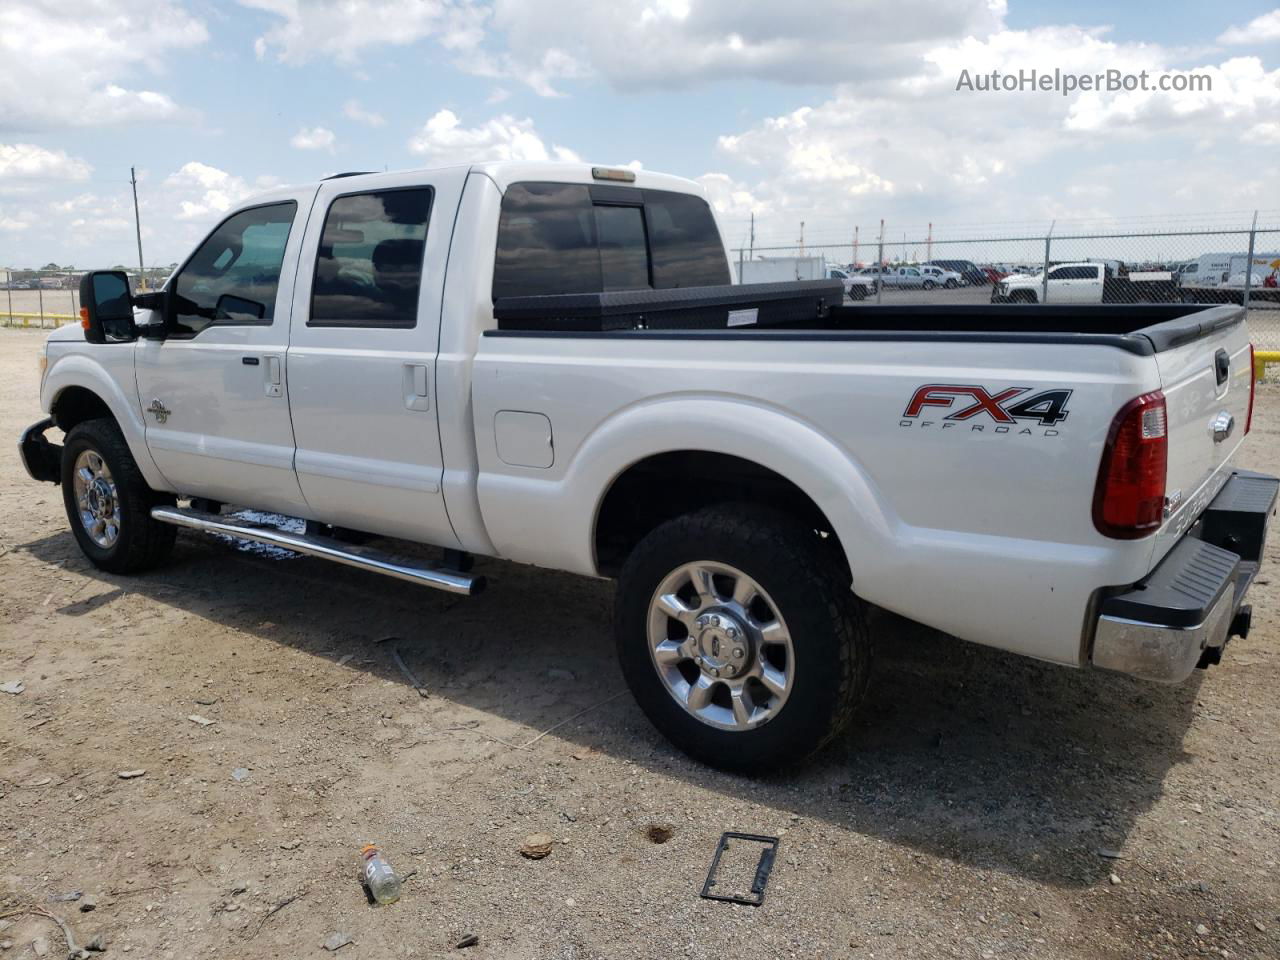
766 452
663 486
77 389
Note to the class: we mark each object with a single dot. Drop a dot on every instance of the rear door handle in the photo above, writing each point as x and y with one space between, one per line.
416 387
271 378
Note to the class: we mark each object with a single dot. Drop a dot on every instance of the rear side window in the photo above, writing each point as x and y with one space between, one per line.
233 276
369 265
558 238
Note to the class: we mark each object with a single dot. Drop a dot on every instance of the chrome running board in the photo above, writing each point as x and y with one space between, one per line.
324 547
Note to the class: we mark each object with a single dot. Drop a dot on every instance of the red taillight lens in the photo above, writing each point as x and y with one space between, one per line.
1129 500
1253 389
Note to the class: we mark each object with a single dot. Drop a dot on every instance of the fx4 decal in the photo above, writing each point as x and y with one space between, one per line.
1005 407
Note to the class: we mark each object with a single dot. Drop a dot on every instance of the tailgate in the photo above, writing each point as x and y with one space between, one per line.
1206 383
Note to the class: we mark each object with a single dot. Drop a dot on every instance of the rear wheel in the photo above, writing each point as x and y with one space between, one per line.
109 503
739 637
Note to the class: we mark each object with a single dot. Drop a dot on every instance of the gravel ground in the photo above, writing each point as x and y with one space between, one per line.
962 816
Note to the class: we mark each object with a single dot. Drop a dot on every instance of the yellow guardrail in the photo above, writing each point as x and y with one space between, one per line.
1261 359
58 318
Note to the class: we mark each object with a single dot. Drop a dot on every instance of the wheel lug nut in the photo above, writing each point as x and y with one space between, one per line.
738 651
715 672
731 633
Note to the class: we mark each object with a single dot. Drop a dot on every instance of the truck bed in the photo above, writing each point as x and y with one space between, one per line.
1143 329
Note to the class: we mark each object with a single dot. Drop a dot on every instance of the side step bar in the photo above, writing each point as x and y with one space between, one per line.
323 547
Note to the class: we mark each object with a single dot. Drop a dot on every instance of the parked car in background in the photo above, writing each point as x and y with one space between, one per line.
1088 282
993 275
942 277
971 272
786 269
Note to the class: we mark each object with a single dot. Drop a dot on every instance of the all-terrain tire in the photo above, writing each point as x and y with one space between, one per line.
805 581
141 543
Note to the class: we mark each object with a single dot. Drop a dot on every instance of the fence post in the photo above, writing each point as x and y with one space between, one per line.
1044 276
1248 266
880 262
740 280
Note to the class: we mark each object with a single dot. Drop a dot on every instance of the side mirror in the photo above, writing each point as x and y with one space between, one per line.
106 307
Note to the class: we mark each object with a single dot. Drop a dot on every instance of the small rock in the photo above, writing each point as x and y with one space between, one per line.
1259 926
468 940
570 902
130 774
66 897
240 774
88 902
239 887
1110 854
536 846
13 686
345 659
206 701
291 845
97 943
203 721
231 907
1197 808
336 941
1202 930
40 947
6 944
1115 880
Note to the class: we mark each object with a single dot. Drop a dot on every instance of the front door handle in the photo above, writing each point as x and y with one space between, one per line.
271 378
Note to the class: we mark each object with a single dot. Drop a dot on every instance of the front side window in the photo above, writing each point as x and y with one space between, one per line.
1060 273
558 238
234 275
369 264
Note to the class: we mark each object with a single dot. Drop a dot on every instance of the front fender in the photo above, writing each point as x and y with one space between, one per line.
104 379
552 522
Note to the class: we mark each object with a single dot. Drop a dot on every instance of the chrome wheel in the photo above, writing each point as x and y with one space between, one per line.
97 499
720 645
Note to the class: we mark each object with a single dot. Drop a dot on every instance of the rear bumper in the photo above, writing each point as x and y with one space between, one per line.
42 459
1182 614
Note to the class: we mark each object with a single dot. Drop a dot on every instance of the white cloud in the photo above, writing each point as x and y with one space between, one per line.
352 110
26 160
313 138
343 29
197 191
67 63
443 140
672 44
915 149
1261 29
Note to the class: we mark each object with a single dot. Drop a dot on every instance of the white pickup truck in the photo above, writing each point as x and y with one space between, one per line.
546 363
1087 282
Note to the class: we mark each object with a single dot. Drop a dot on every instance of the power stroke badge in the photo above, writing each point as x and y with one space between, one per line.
976 409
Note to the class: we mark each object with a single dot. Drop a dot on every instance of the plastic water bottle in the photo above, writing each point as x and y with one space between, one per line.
383 884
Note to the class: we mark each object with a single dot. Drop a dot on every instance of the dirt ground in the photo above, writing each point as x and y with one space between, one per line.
962 816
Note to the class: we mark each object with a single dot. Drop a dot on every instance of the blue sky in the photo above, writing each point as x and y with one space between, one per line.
834 112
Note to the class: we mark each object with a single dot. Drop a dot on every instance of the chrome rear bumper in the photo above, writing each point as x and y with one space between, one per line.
1182 614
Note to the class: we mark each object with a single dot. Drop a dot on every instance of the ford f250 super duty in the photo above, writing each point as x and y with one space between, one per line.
547 363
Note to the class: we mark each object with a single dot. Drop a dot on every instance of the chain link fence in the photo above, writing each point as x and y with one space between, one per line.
50 297
1217 265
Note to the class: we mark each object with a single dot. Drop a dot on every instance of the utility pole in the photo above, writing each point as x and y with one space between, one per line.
137 225
802 238
752 244
853 264
928 247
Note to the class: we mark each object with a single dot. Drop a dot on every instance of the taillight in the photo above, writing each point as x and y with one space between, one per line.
1128 501
1253 389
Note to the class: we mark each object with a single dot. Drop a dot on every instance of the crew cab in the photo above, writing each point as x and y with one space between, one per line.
1087 282
547 363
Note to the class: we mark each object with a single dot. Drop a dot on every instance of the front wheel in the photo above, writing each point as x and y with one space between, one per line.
739 637
929 284
109 503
